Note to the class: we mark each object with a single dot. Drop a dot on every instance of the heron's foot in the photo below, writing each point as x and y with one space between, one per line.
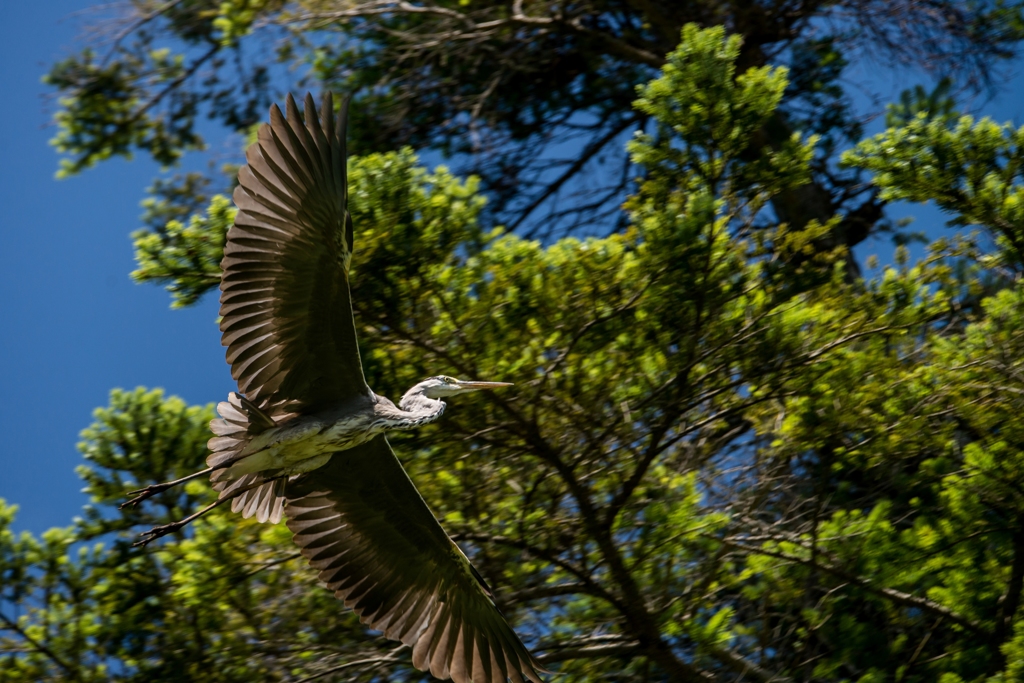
156 532
153 489
143 494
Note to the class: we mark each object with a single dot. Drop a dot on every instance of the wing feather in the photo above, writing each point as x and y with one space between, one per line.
286 313
361 523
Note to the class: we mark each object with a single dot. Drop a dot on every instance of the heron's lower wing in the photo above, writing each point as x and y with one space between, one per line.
360 521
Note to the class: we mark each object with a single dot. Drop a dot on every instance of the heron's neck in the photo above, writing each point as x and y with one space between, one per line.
418 409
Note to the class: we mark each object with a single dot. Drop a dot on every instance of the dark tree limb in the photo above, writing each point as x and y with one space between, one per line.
1010 601
588 153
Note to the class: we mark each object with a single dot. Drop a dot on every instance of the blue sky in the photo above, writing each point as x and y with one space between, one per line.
72 324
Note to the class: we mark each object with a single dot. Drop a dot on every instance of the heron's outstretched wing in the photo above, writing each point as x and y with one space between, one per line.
360 521
285 306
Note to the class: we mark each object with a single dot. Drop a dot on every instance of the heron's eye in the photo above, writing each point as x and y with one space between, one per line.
449 380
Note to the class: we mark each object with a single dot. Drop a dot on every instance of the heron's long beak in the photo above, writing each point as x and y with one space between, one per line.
475 386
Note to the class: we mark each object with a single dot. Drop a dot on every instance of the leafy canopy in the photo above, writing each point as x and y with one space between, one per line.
724 458
507 87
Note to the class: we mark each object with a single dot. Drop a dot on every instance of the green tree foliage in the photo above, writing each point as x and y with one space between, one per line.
970 169
506 85
724 459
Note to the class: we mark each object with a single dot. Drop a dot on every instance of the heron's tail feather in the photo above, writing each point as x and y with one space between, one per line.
265 501
238 423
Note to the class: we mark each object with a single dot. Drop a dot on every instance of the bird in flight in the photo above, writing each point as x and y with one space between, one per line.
305 437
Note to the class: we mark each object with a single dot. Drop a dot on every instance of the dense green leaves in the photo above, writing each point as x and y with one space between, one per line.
971 169
713 123
107 115
724 458
425 215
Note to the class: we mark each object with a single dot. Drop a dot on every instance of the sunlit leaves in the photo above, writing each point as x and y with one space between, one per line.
720 452
971 169
714 115
105 111
185 255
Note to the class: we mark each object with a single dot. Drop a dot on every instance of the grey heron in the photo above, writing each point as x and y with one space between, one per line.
305 436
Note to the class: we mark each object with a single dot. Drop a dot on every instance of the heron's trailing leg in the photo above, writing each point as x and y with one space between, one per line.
153 489
164 529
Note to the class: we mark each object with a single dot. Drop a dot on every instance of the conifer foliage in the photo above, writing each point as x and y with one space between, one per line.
725 459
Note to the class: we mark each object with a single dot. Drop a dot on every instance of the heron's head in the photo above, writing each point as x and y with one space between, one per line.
443 386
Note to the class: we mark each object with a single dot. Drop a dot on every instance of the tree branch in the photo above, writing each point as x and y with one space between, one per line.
373 661
585 155
591 652
865 584
39 647
1010 601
